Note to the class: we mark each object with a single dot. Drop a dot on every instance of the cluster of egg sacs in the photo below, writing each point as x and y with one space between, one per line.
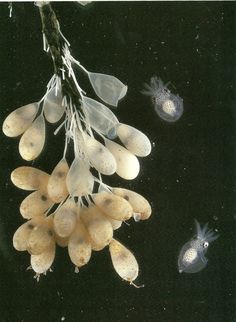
107 159
25 121
89 228
81 229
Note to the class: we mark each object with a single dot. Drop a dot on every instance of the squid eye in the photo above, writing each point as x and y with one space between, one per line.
205 244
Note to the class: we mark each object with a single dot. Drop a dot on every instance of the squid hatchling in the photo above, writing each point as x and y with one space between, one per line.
192 255
168 106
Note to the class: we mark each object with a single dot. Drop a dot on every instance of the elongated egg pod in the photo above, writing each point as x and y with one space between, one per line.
99 117
127 164
35 204
32 141
29 178
79 180
141 207
113 206
20 120
79 246
109 88
99 228
52 106
65 219
134 140
57 189
21 236
100 157
42 262
124 262
40 238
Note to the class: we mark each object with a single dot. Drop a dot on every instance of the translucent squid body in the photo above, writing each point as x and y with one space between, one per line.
168 106
192 255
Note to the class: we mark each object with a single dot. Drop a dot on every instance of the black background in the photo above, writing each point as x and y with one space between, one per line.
190 173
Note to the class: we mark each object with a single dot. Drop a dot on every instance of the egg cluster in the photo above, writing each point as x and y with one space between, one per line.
73 207
81 228
67 208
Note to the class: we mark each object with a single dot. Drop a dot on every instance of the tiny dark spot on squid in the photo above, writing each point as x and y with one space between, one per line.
126 197
100 150
31 144
30 226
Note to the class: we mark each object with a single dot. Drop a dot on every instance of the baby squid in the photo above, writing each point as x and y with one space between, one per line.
192 255
168 106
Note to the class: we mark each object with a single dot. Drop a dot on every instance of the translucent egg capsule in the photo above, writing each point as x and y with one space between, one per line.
127 164
79 180
108 88
42 262
134 140
100 157
65 218
79 246
21 236
99 228
99 117
113 206
29 178
57 189
32 141
141 207
52 106
123 261
40 238
19 120
35 204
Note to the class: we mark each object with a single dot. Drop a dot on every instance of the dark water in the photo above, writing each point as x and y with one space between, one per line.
190 173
